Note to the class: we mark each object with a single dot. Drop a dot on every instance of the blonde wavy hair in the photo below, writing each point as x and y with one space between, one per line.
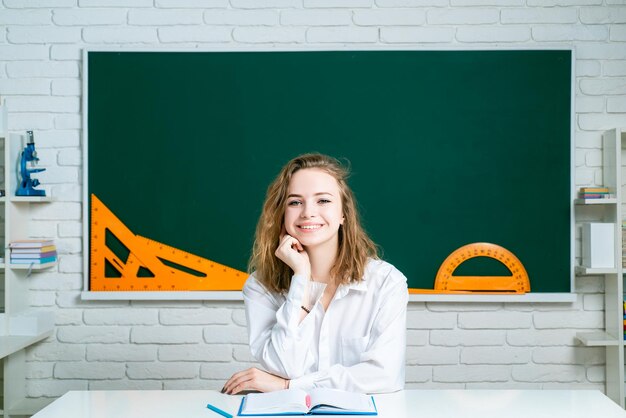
355 246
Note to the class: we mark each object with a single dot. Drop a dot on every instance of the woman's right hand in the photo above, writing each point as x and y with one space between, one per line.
292 253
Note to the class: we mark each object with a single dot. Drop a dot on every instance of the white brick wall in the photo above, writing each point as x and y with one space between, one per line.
191 345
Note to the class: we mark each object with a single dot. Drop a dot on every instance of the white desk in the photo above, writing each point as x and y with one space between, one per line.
408 403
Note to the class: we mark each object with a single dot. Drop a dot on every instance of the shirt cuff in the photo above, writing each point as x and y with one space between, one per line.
303 382
297 288
291 310
316 290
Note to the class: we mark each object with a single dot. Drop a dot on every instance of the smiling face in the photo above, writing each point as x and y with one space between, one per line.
313 212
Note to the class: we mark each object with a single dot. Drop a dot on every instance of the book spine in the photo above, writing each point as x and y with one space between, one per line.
34 255
17 244
33 260
46 249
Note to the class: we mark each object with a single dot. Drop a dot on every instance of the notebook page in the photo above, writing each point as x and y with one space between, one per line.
351 401
290 400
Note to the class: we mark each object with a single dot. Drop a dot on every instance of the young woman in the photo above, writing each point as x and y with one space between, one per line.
322 309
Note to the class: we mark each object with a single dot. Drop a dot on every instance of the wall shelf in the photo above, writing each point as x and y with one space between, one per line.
10 344
597 339
31 199
32 266
20 324
610 201
591 271
609 211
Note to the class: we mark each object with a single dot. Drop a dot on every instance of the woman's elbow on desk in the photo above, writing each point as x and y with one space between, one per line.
277 364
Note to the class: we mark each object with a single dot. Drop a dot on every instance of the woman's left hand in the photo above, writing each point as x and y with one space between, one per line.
254 379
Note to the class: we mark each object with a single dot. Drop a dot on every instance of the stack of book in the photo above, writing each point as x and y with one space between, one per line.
33 251
594 193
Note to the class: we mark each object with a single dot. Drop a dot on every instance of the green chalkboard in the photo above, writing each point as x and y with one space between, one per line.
446 147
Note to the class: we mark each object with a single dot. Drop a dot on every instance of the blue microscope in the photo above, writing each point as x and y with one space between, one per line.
26 186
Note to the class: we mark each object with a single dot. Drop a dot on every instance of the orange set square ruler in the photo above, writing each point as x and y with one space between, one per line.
148 265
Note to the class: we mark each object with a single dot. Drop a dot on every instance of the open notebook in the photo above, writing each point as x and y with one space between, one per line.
318 401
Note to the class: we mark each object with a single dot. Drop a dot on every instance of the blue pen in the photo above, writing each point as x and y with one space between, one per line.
219 411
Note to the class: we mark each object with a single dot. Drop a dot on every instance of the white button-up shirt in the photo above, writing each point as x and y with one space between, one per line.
358 344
